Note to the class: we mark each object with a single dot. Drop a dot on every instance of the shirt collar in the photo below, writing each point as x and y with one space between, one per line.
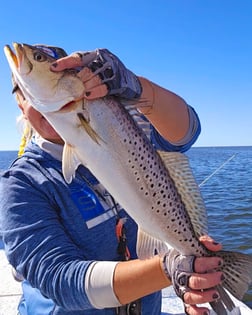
53 149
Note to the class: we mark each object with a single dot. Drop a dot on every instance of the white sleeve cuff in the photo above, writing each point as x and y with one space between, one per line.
99 284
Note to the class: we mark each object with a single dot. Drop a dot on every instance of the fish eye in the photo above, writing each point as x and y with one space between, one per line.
38 56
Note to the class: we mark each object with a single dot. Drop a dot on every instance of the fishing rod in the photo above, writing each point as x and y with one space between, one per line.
217 170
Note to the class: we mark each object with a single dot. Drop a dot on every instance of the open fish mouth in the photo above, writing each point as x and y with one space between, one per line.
59 89
11 56
15 58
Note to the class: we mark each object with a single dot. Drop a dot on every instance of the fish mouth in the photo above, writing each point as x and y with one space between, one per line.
14 59
54 94
17 59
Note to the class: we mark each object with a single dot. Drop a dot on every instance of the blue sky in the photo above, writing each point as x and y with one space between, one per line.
199 49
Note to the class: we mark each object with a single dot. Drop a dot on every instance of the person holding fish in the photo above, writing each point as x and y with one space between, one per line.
71 243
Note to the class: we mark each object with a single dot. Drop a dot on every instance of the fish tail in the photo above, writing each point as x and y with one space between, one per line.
237 270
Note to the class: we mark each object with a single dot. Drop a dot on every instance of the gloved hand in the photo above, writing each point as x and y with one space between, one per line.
196 275
119 80
179 268
100 68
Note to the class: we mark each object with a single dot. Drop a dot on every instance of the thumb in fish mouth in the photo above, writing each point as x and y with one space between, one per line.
68 62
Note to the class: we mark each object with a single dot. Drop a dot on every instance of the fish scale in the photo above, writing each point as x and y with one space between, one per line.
157 189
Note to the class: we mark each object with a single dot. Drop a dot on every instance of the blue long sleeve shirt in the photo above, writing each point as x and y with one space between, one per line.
53 231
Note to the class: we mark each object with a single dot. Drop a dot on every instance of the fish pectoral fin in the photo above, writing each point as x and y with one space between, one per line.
70 162
148 246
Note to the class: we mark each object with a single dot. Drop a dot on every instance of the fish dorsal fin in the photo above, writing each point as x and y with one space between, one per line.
180 171
148 246
70 162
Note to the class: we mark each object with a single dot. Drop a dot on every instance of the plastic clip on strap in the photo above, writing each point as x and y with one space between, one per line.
122 248
133 308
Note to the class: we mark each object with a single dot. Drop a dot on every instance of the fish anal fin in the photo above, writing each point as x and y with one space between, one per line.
224 305
218 307
180 171
148 246
70 162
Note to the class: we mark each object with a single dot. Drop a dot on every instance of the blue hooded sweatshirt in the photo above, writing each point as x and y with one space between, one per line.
53 231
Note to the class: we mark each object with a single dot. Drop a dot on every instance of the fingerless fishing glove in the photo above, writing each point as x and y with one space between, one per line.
178 268
119 80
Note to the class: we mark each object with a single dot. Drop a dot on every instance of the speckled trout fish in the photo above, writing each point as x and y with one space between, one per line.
157 189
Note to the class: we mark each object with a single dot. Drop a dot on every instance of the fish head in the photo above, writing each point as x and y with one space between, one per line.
45 90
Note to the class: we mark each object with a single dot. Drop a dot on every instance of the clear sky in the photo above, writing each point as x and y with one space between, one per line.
199 49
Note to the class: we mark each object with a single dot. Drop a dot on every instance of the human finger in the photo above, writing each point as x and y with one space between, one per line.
209 243
195 310
86 74
72 61
93 84
96 92
200 297
205 281
205 264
